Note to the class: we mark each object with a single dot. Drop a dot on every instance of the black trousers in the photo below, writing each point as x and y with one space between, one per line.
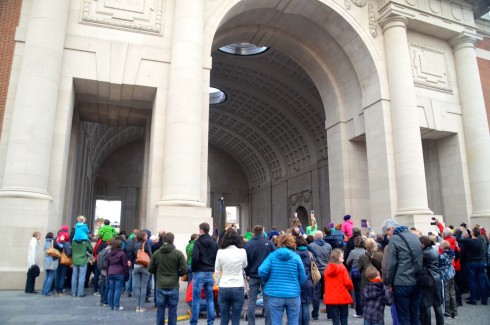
32 274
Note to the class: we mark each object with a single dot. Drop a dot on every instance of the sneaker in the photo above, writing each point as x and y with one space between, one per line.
153 307
137 309
104 305
357 316
141 310
129 295
120 308
96 294
454 317
447 316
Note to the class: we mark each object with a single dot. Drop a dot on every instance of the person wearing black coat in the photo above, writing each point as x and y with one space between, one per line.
431 295
307 289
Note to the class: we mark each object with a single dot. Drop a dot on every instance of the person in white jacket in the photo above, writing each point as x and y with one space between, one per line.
32 262
230 262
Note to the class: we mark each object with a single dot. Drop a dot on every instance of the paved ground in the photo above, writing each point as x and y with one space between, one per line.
16 307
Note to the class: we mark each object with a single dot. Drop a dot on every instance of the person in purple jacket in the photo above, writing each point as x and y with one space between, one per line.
118 273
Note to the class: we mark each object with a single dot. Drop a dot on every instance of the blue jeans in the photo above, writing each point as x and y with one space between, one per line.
407 302
304 315
477 282
140 280
167 298
366 322
60 278
255 285
339 314
358 296
103 289
78 280
48 282
116 283
277 306
200 280
129 283
319 290
230 304
96 278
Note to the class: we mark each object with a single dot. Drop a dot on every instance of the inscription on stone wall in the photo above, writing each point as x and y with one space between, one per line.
137 15
430 67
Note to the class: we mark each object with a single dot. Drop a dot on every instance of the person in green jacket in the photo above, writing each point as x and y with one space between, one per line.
106 232
80 250
188 251
168 264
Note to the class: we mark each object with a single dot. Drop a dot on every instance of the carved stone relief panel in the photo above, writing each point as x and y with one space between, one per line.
144 16
373 25
430 67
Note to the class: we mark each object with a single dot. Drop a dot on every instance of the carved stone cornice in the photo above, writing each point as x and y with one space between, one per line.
451 15
463 40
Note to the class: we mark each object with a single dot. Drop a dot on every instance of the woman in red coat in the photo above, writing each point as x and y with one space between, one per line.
337 286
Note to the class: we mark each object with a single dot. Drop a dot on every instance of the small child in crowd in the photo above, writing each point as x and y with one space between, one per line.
447 270
338 285
81 230
375 296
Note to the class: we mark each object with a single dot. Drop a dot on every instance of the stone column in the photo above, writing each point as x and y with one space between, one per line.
475 126
183 126
29 148
409 160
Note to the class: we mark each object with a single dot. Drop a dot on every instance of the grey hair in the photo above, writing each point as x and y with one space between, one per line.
318 234
389 223
372 235
447 232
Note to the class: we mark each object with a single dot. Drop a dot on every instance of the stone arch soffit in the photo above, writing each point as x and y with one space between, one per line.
263 136
330 16
112 141
254 181
292 120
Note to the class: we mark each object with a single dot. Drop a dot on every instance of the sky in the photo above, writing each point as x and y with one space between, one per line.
108 210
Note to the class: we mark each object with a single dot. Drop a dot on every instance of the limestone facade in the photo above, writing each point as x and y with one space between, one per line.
369 108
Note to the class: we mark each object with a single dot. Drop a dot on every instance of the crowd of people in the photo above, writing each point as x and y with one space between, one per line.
290 275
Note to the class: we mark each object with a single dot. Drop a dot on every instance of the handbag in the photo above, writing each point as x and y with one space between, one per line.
53 252
65 259
315 273
142 257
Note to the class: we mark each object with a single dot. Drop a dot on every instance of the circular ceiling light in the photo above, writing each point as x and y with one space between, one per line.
216 96
243 49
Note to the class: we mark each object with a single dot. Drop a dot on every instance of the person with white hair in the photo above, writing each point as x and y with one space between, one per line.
403 262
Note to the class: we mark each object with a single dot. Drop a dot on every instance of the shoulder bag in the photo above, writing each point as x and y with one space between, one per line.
315 273
142 257
423 276
53 252
65 259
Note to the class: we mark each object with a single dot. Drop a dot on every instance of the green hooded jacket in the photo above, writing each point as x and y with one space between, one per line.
168 264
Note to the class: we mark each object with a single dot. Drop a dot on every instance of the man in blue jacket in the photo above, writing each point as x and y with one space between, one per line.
257 251
202 266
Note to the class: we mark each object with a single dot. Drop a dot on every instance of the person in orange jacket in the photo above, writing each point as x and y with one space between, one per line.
338 285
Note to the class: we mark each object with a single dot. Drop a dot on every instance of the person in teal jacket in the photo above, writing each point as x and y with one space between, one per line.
283 272
106 232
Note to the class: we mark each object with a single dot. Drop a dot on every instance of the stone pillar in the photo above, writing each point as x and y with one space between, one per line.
182 206
475 126
31 136
408 154
25 203
183 126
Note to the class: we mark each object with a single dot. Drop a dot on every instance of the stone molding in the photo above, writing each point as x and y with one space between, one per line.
447 12
373 26
430 67
142 16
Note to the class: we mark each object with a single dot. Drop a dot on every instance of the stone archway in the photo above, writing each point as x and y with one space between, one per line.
294 116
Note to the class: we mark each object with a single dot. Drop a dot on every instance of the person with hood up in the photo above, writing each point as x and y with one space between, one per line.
347 226
167 264
63 240
283 273
338 285
117 272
